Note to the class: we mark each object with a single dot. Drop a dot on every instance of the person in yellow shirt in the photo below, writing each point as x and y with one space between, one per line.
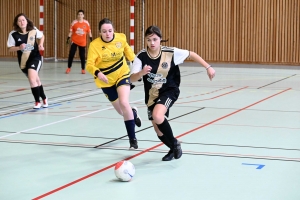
106 61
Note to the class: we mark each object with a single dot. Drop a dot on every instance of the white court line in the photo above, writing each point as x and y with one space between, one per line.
5 136
53 101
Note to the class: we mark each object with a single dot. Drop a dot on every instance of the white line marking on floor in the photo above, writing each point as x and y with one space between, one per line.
5 136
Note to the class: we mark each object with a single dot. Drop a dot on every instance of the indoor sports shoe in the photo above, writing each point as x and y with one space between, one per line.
133 143
169 156
37 105
83 71
45 103
68 70
137 119
177 150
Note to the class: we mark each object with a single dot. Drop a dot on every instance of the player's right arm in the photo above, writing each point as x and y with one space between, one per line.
11 44
70 33
92 60
137 71
69 36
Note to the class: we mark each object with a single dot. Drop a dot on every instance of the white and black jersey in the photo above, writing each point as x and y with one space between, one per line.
165 74
31 52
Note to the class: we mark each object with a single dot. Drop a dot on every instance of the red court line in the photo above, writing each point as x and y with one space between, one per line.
206 93
213 97
232 113
10 91
149 149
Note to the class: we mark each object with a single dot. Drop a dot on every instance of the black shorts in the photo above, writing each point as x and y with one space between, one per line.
33 64
111 92
167 99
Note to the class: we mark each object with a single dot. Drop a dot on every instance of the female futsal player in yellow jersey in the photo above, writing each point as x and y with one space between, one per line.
107 63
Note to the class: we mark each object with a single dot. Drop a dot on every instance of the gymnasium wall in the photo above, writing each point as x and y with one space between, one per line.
237 31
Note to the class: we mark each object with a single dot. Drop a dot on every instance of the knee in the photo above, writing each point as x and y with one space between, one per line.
123 104
33 82
158 118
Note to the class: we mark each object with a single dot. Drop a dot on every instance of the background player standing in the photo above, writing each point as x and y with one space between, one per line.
23 39
78 30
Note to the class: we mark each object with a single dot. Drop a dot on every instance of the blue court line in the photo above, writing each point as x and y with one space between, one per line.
29 111
259 166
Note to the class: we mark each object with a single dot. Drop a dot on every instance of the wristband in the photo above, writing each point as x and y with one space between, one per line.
96 73
208 67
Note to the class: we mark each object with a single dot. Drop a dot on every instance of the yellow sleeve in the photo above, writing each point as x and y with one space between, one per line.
129 54
92 59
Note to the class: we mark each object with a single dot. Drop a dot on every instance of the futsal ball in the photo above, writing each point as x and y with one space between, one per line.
124 170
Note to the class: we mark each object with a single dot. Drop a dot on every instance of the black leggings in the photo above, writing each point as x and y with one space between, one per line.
73 49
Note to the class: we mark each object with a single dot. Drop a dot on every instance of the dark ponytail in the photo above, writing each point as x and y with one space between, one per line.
154 30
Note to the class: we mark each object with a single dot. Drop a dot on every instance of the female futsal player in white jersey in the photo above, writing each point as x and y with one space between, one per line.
158 66
23 39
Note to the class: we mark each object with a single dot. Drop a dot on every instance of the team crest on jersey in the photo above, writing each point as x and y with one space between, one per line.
103 48
118 44
164 65
31 38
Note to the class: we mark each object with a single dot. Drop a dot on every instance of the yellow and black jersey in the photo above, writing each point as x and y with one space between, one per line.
110 59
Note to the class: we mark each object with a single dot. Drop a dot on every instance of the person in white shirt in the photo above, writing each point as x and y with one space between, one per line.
158 66
23 39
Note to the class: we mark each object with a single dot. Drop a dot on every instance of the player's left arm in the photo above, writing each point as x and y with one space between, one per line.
90 33
129 54
40 39
41 43
210 71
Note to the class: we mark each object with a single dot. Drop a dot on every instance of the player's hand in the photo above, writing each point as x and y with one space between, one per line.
22 46
211 73
68 40
146 69
41 48
102 77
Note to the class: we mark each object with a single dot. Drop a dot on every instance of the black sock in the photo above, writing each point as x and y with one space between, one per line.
166 129
130 127
36 93
42 94
165 140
